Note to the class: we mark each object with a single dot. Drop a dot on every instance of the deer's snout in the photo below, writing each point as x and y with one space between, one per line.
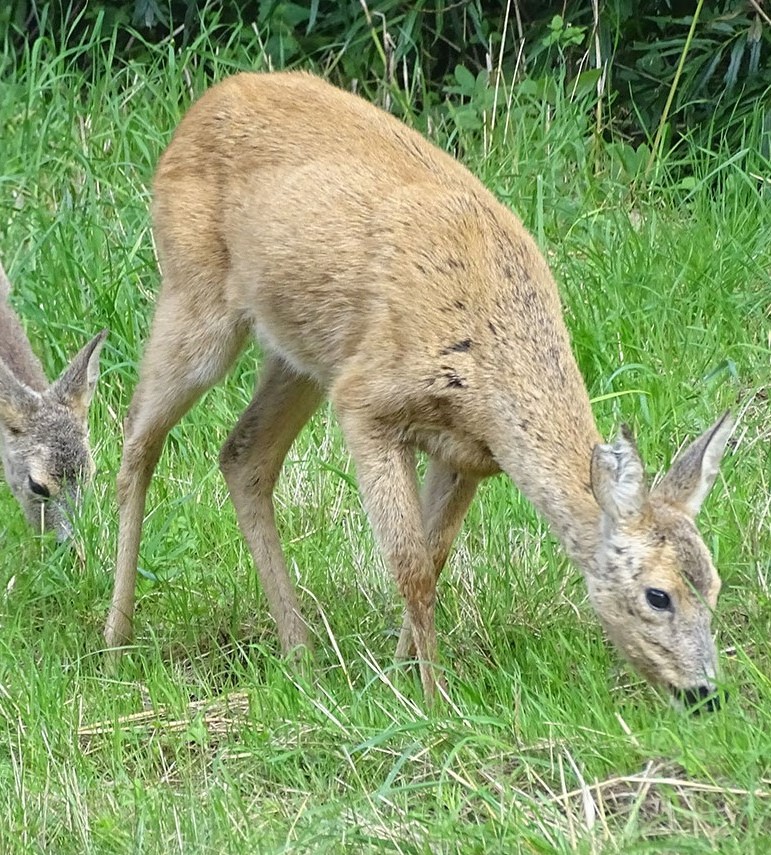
63 529
701 699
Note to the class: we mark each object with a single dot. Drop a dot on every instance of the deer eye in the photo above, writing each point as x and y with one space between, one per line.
39 489
657 599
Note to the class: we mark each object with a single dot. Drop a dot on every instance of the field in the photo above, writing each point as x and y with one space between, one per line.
203 741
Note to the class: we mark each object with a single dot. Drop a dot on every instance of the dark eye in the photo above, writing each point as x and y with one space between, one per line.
658 599
39 489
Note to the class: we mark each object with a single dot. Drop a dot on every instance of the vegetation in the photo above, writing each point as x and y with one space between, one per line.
203 741
661 68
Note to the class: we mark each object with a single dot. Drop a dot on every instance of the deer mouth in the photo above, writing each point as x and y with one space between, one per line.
700 698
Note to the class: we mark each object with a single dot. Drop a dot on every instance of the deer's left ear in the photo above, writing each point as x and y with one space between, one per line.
689 480
5 285
75 386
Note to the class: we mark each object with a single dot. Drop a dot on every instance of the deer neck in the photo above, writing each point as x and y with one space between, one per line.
551 467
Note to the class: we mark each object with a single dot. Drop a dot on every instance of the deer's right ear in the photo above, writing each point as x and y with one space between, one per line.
618 478
17 401
693 473
75 386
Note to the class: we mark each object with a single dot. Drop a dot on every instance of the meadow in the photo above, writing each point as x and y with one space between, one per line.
203 740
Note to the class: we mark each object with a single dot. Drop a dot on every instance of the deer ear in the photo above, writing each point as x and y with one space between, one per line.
17 401
691 476
5 285
618 478
75 385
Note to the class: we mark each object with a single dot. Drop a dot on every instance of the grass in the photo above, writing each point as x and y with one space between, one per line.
203 741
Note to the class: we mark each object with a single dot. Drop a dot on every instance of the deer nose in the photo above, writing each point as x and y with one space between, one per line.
702 699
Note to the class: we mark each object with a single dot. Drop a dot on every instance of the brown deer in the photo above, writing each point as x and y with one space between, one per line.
376 270
44 426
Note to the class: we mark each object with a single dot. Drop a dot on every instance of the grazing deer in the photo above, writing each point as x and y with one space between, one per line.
43 427
376 270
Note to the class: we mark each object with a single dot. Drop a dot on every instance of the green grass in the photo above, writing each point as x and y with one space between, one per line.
203 741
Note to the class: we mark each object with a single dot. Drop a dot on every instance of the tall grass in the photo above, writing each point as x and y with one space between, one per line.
204 741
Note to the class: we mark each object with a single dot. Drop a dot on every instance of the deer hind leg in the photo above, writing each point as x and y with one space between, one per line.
184 357
385 469
251 460
445 498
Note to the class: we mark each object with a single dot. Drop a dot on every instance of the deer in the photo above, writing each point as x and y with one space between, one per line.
376 271
44 440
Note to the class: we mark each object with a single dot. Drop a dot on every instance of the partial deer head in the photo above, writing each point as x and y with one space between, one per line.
43 427
655 586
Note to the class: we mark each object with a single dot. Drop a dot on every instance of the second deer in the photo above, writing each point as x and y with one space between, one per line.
376 270
43 426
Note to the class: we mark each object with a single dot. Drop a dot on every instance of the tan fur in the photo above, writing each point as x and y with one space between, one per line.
43 427
376 270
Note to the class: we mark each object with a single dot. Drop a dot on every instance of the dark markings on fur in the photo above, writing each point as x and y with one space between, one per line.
454 380
529 297
458 347
493 330
614 569
459 304
634 571
663 647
